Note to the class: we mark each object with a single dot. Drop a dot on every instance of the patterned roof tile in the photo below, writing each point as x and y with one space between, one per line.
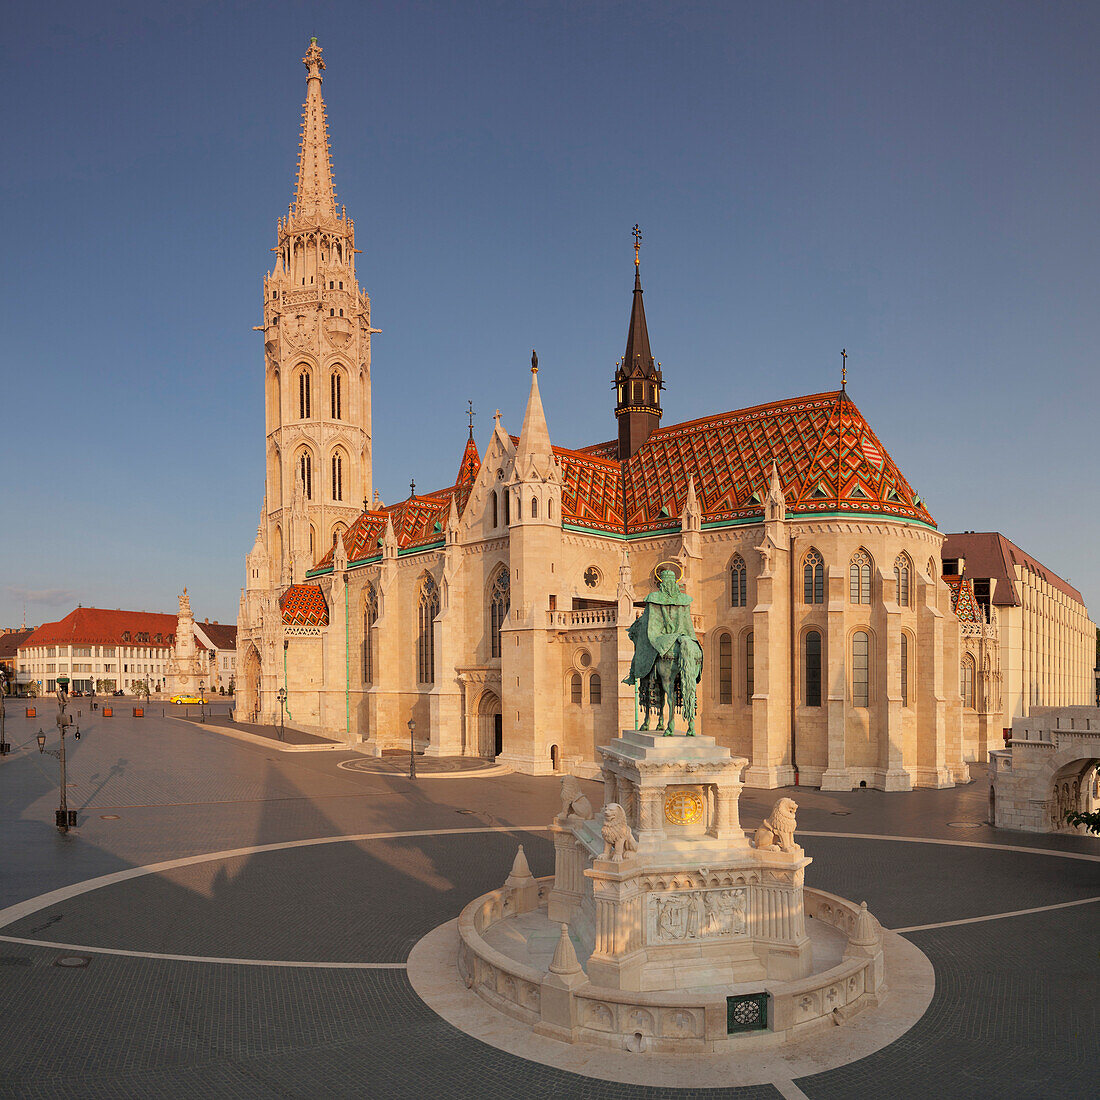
304 605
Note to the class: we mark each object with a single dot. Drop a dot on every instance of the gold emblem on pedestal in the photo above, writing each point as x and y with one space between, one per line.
683 808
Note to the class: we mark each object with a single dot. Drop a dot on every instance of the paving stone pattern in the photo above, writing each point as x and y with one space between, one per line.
1014 1013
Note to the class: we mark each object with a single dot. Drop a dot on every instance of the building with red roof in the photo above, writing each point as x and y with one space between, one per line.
490 615
95 646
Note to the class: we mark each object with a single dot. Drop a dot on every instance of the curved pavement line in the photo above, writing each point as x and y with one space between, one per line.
465 773
80 947
23 909
43 901
997 916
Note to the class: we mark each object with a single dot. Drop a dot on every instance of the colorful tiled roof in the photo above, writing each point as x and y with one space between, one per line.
471 463
304 605
828 458
829 461
99 626
962 599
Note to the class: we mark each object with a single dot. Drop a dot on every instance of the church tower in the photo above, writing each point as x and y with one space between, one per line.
317 334
638 382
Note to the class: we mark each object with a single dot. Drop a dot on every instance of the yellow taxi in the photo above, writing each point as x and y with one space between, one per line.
185 699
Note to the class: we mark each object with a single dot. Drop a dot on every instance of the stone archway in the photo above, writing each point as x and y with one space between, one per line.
490 731
249 687
1073 788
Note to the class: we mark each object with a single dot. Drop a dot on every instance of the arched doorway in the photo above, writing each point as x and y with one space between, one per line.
490 726
250 685
1073 789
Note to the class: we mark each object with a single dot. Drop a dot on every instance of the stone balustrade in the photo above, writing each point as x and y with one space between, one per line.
587 617
673 1020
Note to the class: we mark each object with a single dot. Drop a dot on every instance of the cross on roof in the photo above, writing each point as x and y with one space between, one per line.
470 414
637 242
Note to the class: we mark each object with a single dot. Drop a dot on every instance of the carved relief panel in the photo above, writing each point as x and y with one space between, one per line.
686 915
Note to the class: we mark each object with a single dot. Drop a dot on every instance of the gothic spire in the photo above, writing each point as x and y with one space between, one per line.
638 359
315 196
638 381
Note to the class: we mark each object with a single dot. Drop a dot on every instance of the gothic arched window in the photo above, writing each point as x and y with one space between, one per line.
812 648
534 507
498 609
750 668
370 617
595 689
859 577
738 587
901 575
904 670
725 669
507 507
495 516
861 669
305 472
337 476
425 638
336 394
304 396
966 681
813 578
575 688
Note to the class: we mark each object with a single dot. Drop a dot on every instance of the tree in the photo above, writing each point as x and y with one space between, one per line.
1090 821
141 689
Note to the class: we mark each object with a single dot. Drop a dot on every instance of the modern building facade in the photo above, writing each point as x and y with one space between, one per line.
1043 637
490 615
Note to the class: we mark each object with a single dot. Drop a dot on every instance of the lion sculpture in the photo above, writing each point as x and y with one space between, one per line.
574 802
617 837
776 832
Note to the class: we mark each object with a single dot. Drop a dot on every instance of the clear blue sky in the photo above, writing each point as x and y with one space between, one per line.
914 182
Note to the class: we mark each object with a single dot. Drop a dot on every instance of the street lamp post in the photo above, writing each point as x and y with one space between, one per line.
281 696
202 702
412 750
5 748
65 818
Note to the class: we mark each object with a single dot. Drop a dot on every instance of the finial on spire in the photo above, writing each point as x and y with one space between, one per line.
637 244
844 369
313 60
534 362
412 489
470 414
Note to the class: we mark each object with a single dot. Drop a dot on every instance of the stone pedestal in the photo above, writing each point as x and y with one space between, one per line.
691 903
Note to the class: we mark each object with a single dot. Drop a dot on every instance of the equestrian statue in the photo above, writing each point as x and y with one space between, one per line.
668 659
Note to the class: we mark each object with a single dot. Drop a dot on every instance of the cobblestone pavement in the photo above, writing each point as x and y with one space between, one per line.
1014 1013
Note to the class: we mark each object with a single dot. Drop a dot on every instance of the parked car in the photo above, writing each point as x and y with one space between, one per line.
118 691
185 699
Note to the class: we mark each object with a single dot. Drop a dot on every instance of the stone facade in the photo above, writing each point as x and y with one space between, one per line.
1048 768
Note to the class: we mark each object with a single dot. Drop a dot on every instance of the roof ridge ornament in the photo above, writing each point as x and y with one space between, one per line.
844 370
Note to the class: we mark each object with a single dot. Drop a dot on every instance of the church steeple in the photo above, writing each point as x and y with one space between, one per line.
638 382
315 196
317 352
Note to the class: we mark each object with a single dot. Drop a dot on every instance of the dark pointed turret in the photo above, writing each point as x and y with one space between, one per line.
638 382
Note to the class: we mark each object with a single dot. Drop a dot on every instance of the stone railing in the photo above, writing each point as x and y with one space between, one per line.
589 617
978 630
682 1021
301 296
